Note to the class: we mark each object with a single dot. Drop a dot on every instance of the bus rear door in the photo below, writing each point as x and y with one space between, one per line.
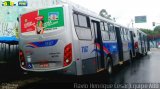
132 42
98 45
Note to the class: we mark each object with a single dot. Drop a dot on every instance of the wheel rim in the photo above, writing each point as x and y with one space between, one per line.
109 66
109 69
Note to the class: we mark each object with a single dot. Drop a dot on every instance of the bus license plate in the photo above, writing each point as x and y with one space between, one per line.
44 65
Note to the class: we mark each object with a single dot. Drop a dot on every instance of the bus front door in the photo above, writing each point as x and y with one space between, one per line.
120 44
98 45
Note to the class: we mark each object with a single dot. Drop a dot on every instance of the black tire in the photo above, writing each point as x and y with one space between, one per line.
109 66
146 53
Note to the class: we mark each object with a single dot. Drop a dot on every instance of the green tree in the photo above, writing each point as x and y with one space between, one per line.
152 33
148 31
157 29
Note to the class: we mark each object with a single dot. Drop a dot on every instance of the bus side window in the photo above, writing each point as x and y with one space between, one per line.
125 35
82 21
75 18
82 26
121 32
128 35
124 31
102 26
107 32
112 32
104 32
92 30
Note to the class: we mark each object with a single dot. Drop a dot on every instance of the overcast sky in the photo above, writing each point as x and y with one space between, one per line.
125 10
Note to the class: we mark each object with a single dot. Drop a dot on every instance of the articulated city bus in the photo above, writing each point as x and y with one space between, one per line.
143 42
73 40
140 42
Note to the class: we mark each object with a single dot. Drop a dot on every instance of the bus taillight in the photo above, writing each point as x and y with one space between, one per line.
67 55
22 58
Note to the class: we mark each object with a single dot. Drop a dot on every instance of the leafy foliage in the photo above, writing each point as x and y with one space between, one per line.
157 29
152 33
148 31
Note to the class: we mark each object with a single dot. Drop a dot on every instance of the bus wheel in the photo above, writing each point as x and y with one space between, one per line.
146 53
109 66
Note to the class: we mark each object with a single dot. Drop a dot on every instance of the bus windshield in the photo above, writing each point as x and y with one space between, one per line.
41 21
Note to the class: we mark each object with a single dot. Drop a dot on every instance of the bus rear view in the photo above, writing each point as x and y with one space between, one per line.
44 43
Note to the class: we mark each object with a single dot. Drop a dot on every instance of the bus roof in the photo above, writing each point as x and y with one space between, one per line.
92 14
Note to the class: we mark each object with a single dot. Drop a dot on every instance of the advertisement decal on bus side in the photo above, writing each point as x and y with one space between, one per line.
42 20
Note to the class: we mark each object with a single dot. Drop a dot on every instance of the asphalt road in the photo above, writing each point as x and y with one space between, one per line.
141 70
